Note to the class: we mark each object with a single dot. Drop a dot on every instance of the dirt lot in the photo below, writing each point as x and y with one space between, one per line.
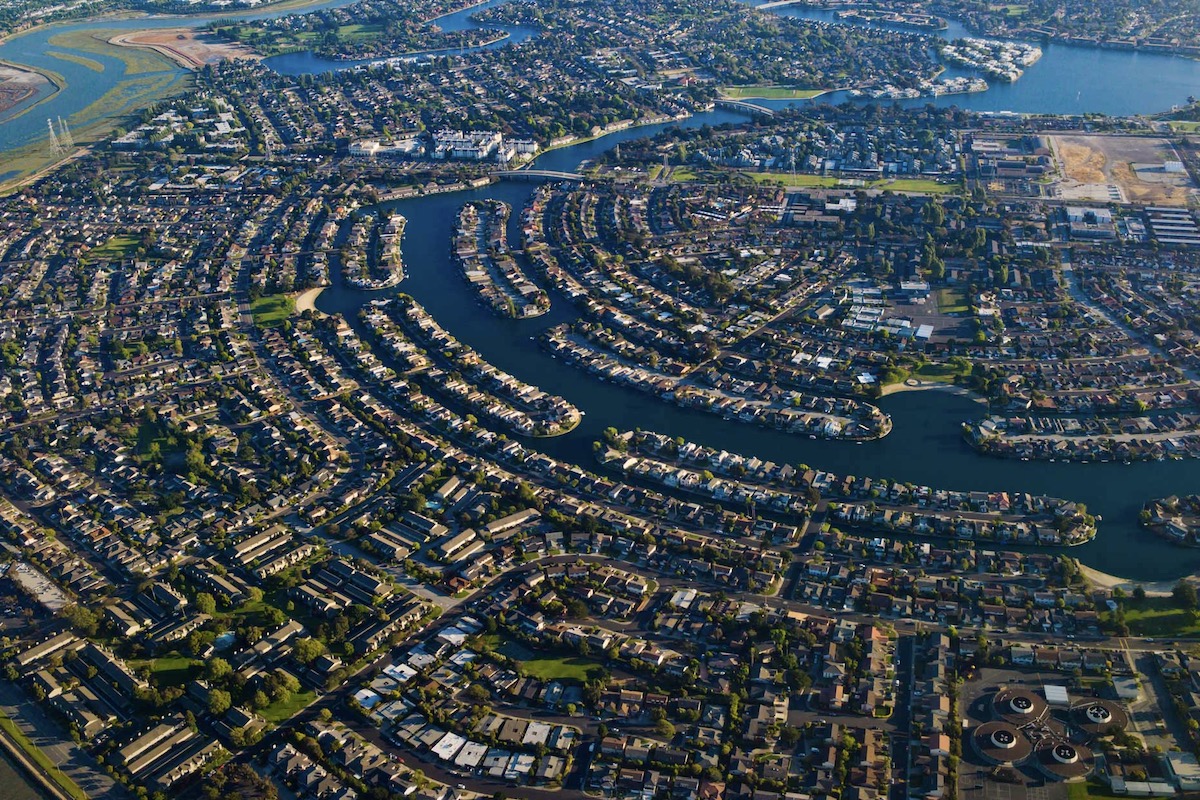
189 48
1119 168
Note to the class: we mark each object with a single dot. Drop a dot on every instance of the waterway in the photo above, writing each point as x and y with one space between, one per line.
308 62
84 86
1068 79
14 785
925 446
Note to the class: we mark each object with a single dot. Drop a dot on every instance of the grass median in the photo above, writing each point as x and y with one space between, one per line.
34 753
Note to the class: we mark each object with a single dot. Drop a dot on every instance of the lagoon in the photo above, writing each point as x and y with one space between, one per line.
925 445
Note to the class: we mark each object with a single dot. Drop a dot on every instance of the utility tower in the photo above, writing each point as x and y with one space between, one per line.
55 144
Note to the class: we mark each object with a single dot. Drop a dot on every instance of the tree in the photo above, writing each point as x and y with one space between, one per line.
206 603
308 650
1184 595
219 702
217 669
82 619
1139 593
664 728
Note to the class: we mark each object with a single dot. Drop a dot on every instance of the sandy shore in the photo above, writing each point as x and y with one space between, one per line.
1106 581
913 385
307 300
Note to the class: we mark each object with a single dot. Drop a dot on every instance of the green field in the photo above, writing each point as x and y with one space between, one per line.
952 301
799 179
942 373
1012 9
1158 616
270 311
286 709
116 248
546 667
917 185
346 34
171 670
41 759
1185 126
769 93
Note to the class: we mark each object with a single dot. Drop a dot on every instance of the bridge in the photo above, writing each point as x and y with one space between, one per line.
537 174
742 105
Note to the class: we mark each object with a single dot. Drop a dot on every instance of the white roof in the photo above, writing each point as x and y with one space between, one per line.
1056 695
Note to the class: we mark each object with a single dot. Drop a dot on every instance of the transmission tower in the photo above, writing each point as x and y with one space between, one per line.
55 144
64 134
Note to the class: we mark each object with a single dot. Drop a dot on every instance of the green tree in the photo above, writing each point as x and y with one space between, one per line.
219 701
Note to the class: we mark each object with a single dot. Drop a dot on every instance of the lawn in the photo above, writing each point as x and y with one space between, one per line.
917 185
1182 125
799 179
544 666
117 248
1158 616
270 311
355 32
769 93
172 670
943 373
920 185
41 759
286 709
952 301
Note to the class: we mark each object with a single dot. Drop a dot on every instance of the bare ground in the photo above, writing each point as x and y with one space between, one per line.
187 47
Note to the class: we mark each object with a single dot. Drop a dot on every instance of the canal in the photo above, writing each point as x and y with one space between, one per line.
925 446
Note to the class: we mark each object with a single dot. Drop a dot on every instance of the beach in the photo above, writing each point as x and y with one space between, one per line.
307 300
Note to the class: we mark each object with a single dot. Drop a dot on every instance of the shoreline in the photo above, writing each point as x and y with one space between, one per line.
307 300
913 385
56 82
1109 581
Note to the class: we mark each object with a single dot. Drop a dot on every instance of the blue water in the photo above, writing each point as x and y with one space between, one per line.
1068 79
308 63
1062 82
84 86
